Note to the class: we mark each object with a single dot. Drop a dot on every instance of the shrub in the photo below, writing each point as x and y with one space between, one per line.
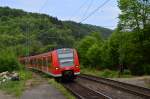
8 61
127 72
137 70
147 69
108 73
94 56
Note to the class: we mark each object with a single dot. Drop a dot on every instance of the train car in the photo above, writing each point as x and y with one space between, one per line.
60 63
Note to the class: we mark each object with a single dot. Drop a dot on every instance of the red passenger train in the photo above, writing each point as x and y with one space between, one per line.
60 63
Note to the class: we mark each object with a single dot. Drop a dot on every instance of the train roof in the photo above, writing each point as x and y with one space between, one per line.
48 53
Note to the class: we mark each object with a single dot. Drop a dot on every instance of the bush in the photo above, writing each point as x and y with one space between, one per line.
94 56
108 73
8 61
147 69
127 72
137 70
140 69
16 87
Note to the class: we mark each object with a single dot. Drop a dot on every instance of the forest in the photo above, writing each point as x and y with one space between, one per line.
25 33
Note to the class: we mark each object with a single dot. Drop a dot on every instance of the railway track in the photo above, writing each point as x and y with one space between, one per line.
136 90
82 92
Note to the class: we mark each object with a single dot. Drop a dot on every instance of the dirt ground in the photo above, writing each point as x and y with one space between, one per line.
42 91
37 88
143 81
5 96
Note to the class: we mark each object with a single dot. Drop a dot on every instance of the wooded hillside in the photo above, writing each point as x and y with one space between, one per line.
36 33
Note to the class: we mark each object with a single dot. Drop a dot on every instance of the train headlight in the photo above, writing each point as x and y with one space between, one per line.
56 68
77 66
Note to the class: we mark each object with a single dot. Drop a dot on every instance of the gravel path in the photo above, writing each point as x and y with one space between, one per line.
5 96
143 81
43 91
38 88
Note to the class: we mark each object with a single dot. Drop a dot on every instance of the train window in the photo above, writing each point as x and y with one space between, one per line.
28 61
66 50
66 59
44 62
34 61
31 62
49 61
38 62
41 62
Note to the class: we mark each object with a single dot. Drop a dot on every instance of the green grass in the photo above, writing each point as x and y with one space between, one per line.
64 91
105 73
16 87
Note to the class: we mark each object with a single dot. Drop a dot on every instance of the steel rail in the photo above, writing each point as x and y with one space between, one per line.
82 92
133 89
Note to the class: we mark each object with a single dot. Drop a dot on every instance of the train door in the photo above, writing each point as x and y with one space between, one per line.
49 63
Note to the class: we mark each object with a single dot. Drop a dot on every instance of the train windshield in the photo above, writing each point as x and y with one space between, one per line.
65 57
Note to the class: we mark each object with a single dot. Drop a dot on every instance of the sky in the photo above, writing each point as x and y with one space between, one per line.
75 10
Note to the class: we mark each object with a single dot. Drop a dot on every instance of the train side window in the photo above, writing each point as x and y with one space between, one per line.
41 62
44 61
35 61
31 62
38 62
49 61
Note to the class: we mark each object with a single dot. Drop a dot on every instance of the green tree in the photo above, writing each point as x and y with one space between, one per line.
94 56
134 14
89 49
133 25
8 61
83 47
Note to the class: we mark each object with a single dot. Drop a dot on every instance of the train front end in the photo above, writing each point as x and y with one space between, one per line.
68 62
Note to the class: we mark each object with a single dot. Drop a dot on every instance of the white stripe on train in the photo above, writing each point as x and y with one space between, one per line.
54 75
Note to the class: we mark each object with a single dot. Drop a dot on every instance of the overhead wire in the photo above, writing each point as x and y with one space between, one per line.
78 10
88 8
94 11
28 35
